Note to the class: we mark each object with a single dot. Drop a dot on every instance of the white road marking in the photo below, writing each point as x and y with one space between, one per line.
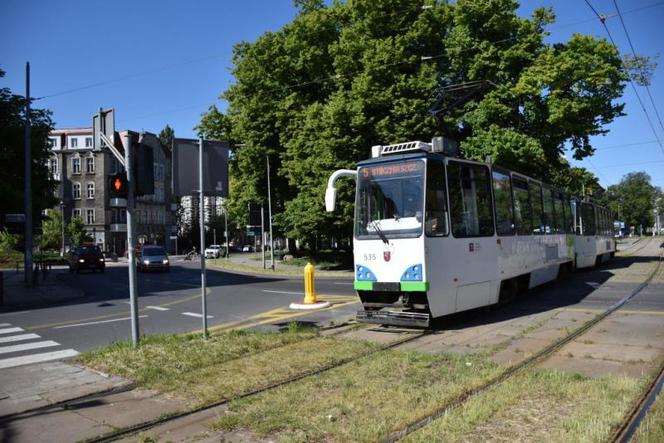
283 292
2 325
193 314
158 308
28 346
18 338
97 322
36 358
10 330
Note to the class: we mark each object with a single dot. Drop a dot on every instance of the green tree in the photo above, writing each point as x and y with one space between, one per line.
166 137
12 136
633 199
76 231
318 93
8 241
51 237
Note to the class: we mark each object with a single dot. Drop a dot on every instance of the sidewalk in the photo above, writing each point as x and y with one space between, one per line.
252 263
48 290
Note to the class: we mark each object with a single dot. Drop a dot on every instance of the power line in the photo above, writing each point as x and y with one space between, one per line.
659 119
602 20
604 148
633 164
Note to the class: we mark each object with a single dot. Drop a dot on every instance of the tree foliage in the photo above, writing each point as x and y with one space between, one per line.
633 199
166 136
318 93
76 232
12 160
51 237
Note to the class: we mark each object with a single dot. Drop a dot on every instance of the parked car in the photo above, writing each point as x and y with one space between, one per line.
213 251
152 257
247 248
86 256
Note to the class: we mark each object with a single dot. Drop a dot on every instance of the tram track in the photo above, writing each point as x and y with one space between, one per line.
167 418
544 353
641 245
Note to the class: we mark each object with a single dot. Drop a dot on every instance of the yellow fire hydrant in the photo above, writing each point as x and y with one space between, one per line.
309 285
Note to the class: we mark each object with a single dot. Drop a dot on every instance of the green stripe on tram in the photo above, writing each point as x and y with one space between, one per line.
363 285
415 286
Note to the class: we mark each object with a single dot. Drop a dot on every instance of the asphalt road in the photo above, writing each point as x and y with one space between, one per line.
171 303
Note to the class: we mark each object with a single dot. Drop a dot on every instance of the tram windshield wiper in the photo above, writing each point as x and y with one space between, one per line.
379 231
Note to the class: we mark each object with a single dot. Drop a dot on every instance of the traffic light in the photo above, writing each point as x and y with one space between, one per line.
117 185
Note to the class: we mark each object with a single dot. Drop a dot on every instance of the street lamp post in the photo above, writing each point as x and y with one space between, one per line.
269 210
62 226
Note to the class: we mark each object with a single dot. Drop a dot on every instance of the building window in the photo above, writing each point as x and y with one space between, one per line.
73 142
90 216
76 213
53 167
90 165
76 191
91 190
53 143
88 142
75 165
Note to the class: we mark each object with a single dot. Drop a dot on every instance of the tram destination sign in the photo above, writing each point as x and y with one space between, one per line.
393 169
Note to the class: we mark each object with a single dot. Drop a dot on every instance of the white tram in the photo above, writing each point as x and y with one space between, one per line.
435 234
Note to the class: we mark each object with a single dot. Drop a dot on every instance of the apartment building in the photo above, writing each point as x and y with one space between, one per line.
83 175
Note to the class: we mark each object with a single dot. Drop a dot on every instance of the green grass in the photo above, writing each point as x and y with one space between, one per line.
226 365
539 405
9 259
651 429
362 401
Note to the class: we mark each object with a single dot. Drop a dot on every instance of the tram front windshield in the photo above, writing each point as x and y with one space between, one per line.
390 200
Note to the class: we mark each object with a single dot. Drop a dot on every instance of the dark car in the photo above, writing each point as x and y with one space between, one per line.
86 257
152 258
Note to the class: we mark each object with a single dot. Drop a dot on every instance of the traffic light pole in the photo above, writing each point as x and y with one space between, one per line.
201 208
131 188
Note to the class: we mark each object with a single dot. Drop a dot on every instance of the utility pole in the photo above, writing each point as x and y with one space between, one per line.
202 227
27 197
228 253
131 203
62 223
263 234
269 206
214 235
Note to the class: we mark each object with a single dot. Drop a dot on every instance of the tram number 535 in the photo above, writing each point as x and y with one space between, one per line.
369 257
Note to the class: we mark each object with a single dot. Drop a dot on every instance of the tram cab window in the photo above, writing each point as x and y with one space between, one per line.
470 200
587 219
436 200
549 216
538 211
559 211
502 195
522 212
390 200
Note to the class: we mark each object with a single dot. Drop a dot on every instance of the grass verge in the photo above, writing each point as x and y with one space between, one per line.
361 401
226 365
539 405
651 429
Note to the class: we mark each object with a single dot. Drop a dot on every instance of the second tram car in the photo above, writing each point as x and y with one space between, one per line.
435 234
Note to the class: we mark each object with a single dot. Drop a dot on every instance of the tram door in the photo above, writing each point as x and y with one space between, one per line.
473 252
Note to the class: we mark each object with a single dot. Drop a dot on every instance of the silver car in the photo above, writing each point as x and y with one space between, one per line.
153 258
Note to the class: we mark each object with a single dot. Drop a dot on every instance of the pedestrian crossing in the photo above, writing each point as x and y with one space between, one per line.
18 348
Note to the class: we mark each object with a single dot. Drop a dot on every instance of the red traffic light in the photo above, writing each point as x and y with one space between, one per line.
117 186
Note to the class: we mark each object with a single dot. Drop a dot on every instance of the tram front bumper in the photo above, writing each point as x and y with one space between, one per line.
395 318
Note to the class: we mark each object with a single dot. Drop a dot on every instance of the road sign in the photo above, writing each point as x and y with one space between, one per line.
102 123
173 237
185 167
15 218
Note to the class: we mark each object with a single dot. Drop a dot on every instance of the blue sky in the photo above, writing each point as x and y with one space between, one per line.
165 62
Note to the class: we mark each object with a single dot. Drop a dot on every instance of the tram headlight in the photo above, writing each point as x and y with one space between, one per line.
412 273
362 273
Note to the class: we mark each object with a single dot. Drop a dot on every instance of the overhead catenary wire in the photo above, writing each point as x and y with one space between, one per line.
629 40
602 20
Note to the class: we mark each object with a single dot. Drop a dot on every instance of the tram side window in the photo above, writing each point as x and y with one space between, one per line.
588 219
600 222
538 210
502 194
549 216
522 213
470 200
559 220
569 215
436 214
